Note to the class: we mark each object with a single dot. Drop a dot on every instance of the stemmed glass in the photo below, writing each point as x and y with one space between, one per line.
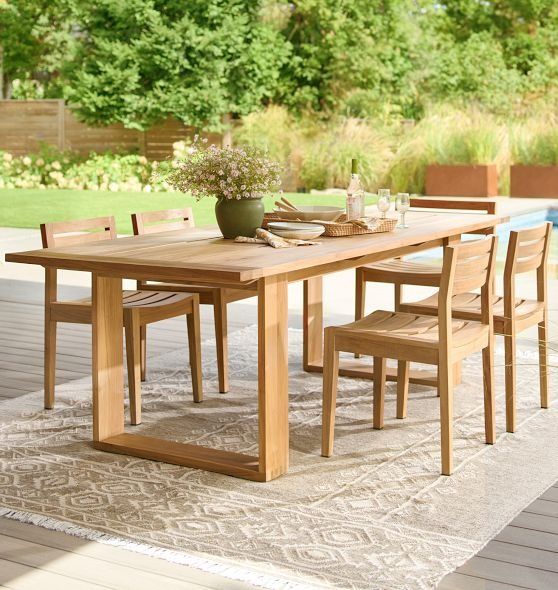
383 203
402 204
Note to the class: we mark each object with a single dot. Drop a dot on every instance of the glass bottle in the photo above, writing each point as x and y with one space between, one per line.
355 194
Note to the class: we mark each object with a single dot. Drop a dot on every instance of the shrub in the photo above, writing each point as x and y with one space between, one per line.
275 131
535 143
447 137
326 160
53 169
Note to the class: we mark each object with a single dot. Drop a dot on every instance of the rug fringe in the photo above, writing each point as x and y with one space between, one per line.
231 572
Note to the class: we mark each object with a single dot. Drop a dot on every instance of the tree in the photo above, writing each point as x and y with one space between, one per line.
344 46
140 61
35 37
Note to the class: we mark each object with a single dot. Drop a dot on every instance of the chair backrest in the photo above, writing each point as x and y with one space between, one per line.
527 251
152 222
487 206
68 233
467 266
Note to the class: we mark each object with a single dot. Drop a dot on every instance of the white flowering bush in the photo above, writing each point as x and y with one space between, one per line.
229 172
106 172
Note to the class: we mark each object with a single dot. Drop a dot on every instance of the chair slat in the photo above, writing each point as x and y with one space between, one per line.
469 283
55 233
527 249
529 264
472 267
474 263
488 206
533 233
151 222
473 248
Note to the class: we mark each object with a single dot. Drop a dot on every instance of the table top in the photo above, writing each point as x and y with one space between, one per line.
199 255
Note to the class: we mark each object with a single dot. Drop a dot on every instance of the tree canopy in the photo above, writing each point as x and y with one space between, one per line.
139 61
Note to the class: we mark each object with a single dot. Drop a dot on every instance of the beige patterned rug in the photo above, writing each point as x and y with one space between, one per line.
376 515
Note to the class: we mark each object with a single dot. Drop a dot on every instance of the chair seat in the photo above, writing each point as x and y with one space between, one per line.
468 306
411 330
406 272
143 299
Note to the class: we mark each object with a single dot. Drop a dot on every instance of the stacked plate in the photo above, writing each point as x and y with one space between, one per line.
295 230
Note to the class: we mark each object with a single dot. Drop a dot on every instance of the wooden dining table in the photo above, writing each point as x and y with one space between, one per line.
199 257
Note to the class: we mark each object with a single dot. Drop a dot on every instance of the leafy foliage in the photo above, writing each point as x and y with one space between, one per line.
139 61
143 60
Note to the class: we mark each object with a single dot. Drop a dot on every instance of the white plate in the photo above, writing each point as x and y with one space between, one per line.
293 225
296 231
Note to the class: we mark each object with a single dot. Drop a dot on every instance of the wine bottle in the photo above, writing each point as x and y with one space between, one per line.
355 194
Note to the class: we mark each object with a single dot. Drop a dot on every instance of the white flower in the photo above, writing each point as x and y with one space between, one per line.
26 161
113 186
40 162
142 160
147 188
8 157
56 165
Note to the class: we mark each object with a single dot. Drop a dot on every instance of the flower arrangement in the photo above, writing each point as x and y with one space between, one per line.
225 173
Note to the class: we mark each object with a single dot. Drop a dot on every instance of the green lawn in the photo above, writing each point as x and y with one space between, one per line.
29 208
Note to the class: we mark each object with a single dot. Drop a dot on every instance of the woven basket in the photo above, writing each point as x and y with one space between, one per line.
341 228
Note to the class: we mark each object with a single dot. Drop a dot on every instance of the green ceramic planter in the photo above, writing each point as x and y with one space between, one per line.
239 217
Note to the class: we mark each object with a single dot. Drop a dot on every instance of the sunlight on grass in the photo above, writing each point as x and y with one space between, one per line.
27 208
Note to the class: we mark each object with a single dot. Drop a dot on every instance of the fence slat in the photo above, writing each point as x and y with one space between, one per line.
25 124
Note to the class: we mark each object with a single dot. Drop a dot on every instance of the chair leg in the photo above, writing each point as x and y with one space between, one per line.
379 391
397 293
360 297
143 352
489 406
330 378
445 385
543 363
402 388
194 345
509 353
133 359
220 318
50 362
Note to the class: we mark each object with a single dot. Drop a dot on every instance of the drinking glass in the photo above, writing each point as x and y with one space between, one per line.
383 203
402 204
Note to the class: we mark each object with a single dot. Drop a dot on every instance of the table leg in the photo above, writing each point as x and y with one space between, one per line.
312 322
108 371
108 401
273 377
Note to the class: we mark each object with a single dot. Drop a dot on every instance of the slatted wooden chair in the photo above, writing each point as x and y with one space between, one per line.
527 252
183 219
410 272
440 340
140 308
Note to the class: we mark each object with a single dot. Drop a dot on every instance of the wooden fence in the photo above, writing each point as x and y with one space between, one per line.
25 124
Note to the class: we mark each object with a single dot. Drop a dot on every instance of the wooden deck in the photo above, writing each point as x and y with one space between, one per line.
523 555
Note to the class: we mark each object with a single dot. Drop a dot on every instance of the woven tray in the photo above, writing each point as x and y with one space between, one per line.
341 228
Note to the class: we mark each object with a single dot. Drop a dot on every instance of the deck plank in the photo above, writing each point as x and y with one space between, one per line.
509 573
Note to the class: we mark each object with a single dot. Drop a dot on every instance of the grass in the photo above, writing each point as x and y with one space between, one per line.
28 208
